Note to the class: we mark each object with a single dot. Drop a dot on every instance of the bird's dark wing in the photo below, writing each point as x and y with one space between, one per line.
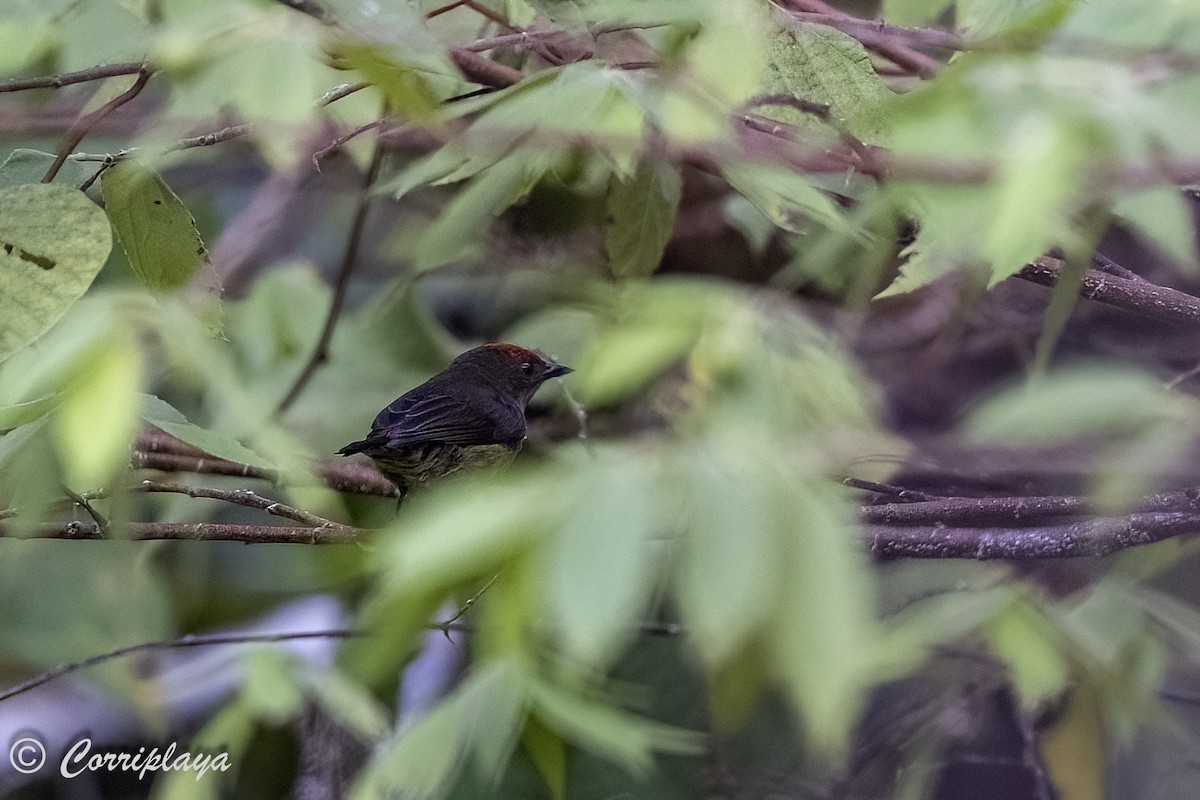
440 418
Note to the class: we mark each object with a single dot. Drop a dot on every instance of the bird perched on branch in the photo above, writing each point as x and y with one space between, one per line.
470 415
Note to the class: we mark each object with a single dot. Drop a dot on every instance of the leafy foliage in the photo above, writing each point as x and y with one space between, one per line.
541 166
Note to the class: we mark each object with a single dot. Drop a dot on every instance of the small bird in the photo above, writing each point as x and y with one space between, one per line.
470 415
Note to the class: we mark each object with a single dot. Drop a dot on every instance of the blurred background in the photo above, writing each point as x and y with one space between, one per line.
875 477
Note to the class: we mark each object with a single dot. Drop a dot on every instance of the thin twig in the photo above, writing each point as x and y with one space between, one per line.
85 123
341 141
209 139
247 498
899 492
86 504
437 12
320 353
171 644
445 626
338 92
484 11
67 78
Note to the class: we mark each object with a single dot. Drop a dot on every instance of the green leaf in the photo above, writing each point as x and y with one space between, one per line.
97 419
823 645
163 416
641 217
1027 643
406 89
349 703
16 415
626 739
30 166
1039 186
725 582
787 198
598 574
463 223
422 760
548 753
1071 402
822 65
155 228
466 528
53 241
1162 218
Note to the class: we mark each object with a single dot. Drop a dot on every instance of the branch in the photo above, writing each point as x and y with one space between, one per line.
199 531
1010 511
85 123
1096 537
320 353
67 78
484 71
155 449
1166 305
170 644
246 498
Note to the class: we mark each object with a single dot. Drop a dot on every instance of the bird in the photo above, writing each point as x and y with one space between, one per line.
470 415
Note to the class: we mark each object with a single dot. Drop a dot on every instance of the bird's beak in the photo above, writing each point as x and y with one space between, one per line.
555 370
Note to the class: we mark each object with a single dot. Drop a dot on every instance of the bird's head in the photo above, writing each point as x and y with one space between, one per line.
511 368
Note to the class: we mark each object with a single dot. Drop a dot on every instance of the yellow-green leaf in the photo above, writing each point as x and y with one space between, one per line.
155 228
53 241
641 214
98 417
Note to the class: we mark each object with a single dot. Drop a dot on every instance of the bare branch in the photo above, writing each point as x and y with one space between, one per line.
1163 304
1094 537
96 73
320 353
171 644
244 497
200 531
85 123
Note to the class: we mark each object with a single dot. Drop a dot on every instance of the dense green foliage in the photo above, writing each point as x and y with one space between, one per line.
723 418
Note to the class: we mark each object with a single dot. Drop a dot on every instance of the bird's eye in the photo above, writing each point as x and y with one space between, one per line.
526 368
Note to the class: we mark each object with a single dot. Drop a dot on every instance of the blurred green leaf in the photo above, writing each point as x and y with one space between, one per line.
406 89
154 227
271 686
16 415
1027 643
459 230
1074 401
423 759
53 241
96 420
787 198
730 570
163 416
1163 219
1038 191
599 571
628 740
549 755
822 645
349 703
641 218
